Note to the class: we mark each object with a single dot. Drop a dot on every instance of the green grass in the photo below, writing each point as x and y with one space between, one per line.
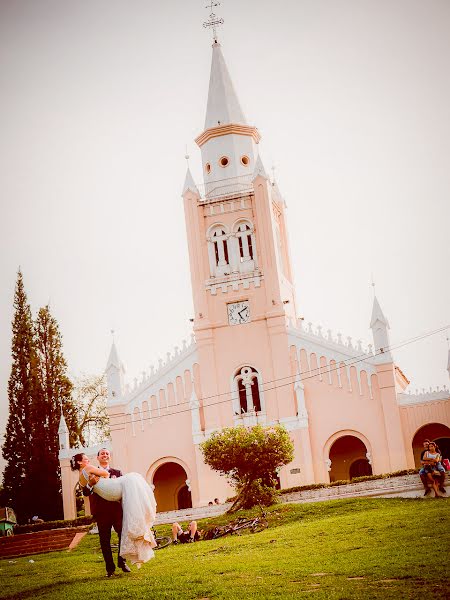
368 548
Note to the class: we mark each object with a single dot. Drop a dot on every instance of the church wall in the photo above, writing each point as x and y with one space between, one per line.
338 399
415 416
159 429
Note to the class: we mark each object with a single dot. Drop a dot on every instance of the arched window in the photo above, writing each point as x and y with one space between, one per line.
247 383
218 251
246 246
244 235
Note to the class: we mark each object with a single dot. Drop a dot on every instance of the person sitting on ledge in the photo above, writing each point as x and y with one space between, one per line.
185 537
422 472
433 469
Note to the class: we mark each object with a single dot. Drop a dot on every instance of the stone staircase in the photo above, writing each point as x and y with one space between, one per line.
24 544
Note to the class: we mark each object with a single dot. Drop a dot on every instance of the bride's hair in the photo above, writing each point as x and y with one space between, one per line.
76 458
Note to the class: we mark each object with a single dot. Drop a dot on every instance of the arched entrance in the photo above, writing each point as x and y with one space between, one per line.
436 432
348 458
171 491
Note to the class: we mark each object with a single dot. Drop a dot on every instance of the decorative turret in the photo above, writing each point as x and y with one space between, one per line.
380 326
114 376
63 434
228 144
189 184
259 169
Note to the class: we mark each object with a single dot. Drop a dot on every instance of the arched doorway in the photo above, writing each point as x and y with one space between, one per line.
436 432
348 458
171 491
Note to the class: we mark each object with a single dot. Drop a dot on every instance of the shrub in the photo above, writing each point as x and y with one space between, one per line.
30 528
249 457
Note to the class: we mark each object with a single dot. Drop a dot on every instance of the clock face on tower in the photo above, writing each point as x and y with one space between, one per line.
238 312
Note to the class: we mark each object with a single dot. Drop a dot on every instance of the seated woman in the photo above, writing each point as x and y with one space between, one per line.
138 506
433 467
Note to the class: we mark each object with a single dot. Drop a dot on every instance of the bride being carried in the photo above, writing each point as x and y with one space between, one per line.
138 505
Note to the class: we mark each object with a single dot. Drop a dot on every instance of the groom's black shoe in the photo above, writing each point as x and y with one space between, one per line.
110 573
125 568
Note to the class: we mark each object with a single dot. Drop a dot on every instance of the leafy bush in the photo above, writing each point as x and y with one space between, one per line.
30 528
249 457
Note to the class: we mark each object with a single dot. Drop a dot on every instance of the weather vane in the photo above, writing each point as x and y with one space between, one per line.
213 21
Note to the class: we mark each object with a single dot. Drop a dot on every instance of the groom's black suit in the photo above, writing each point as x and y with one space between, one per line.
107 514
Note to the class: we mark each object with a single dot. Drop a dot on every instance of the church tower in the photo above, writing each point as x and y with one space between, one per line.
241 273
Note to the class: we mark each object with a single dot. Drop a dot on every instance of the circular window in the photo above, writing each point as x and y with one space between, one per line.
223 162
245 160
208 168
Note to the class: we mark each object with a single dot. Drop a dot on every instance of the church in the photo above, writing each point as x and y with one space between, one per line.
251 359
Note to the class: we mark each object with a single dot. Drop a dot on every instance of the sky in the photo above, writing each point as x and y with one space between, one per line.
101 100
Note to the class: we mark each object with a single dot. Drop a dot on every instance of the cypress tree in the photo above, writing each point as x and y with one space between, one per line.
22 387
55 391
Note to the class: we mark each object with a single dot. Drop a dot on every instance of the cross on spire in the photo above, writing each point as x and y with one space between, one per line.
213 21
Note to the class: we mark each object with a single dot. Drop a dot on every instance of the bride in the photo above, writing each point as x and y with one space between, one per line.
138 505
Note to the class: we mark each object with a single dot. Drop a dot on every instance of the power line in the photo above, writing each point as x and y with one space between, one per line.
355 359
311 375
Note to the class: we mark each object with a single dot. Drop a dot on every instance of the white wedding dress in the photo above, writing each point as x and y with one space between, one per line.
139 514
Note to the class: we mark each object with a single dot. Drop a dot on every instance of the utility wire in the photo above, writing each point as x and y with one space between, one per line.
317 371
311 375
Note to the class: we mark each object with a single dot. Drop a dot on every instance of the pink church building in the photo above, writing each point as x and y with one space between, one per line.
251 359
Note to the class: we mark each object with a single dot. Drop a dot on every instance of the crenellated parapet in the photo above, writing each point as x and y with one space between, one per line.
165 389
424 396
178 361
332 359
315 338
90 451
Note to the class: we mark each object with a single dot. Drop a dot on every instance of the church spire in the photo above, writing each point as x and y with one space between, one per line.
114 376
228 145
380 330
63 433
223 105
113 360
189 183
377 314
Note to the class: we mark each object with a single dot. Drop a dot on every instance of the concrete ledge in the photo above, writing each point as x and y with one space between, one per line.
404 486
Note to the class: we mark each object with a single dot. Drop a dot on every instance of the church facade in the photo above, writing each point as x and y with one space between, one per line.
251 359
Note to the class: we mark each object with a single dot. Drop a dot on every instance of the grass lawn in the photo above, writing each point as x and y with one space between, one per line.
357 548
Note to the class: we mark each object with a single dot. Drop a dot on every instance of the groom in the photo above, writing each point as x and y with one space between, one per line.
107 514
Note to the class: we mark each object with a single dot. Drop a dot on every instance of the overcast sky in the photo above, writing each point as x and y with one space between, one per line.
98 100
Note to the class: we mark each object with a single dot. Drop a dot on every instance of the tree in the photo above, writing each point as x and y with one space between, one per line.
52 396
89 403
23 385
249 457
